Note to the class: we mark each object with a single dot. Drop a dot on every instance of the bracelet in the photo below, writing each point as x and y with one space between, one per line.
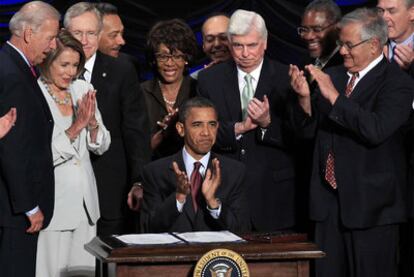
91 128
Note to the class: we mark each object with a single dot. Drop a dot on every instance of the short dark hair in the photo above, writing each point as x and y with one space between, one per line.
329 7
106 8
64 40
195 102
175 34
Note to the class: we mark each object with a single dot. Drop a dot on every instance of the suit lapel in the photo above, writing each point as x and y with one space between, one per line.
365 84
24 67
100 77
265 79
231 92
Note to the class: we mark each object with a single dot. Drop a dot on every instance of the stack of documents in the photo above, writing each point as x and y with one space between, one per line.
178 238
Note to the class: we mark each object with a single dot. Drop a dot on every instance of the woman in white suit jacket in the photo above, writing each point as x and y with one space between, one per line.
78 129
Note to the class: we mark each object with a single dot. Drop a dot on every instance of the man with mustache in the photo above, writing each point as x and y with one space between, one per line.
318 31
195 189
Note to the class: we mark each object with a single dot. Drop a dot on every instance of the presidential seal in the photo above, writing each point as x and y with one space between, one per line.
221 263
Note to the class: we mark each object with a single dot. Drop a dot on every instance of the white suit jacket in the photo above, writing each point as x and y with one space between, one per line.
74 178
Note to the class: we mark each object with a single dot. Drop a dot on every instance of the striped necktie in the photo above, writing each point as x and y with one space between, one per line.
247 94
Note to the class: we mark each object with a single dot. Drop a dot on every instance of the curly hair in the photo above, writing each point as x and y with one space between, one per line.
175 34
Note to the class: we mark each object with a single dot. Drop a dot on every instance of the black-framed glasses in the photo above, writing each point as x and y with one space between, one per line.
349 46
302 30
165 57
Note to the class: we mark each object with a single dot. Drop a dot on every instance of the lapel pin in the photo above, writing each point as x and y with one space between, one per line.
104 74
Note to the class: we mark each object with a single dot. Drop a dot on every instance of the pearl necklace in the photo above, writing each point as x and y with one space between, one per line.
65 101
168 102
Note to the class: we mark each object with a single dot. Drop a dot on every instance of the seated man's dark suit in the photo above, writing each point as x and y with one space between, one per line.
124 112
366 136
270 167
26 164
160 206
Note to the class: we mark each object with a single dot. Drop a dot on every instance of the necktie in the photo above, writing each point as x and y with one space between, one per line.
247 94
82 75
196 180
330 161
32 69
392 54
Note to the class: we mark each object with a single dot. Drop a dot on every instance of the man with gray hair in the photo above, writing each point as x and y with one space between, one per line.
124 112
399 16
250 94
26 163
358 184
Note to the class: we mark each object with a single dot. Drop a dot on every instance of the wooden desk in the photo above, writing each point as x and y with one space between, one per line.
288 258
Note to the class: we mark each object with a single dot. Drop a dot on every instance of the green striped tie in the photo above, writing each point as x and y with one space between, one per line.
247 94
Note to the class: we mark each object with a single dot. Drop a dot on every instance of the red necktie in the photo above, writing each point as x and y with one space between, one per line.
195 180
33 71
330 161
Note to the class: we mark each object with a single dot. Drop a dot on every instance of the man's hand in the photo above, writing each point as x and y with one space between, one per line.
36 222
210 184
183 184
259 111
7 121
244 126
135 198
404 55
325 85
298 81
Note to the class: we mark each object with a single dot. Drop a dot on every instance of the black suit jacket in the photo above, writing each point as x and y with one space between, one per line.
269 163
160 209
366 136
123 110
26 162
172 142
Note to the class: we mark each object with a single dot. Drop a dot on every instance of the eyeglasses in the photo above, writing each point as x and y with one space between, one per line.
302 30
165 57
349 46
89 34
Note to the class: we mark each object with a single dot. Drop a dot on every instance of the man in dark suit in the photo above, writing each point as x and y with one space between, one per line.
399 15
252 128
123 110
27 180
174 201
112 36
358 183
318 31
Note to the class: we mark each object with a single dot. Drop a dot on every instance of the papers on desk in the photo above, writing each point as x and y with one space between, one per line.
179 238
148 239
209 237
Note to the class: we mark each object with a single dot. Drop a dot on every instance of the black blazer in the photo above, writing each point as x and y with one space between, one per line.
26 161
160 212
124 113
172 142
366 136
269 162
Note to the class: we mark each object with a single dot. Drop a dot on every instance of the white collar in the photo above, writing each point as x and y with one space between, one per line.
370 66
255 73
90 63
189 162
